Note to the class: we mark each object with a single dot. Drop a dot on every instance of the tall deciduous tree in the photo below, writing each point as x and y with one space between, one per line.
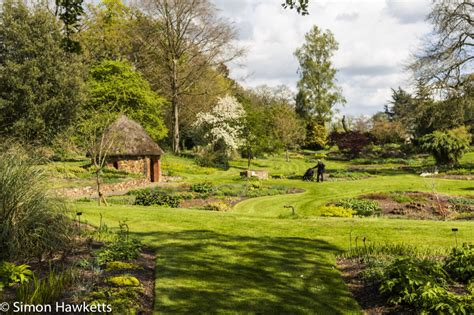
107 31
318 92
185 38
448 56
116 87
41 85
222 127
288 129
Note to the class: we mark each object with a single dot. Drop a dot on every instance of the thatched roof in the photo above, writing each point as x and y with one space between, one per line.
129 138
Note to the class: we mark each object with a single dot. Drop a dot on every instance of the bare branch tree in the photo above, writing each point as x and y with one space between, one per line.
96 138
185 39
448 56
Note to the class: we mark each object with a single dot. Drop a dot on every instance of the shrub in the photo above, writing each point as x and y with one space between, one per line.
160 198
421 283
447 147
11 274
32 223
316 136
460 263
217 206
203 188
362 207
374 273
351 143
119 250
335 211
407 275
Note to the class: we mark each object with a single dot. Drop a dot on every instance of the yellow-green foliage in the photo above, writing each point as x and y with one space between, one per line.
119 265
218 206
335 211
124 281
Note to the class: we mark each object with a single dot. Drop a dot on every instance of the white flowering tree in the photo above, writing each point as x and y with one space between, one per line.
222 127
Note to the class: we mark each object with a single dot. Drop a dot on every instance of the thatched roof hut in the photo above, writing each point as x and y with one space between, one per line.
131 139
132 149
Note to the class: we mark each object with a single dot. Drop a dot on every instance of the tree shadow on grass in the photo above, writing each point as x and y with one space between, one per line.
200 271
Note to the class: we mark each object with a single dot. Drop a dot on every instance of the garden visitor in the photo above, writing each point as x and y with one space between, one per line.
320 170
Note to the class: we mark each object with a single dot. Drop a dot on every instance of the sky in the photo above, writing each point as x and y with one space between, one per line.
376 40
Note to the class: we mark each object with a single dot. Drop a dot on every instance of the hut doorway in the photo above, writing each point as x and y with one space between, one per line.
154 170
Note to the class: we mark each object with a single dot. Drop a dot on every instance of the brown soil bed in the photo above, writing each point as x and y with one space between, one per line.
87 279
368 296
418 205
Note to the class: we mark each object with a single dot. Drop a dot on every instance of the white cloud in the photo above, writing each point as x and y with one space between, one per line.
375 37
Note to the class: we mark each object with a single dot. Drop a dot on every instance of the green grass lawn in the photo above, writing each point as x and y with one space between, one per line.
256 259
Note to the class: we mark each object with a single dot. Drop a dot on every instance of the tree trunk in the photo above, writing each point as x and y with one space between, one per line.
287 156
174 102
344 124
249 156
176 148
99 192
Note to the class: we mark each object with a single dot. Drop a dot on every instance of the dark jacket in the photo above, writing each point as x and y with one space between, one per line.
320 167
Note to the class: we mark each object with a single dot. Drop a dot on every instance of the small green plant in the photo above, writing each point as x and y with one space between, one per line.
120 265
123 300
202 188
421 283
83 263
11 274
460 263
362 207
124 281
399 198
47 290
336 211
159 198
119 250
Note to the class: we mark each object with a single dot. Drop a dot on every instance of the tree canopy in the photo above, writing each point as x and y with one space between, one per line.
41 85
116 87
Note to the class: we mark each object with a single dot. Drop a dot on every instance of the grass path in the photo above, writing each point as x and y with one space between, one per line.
210 262
317 194
253 259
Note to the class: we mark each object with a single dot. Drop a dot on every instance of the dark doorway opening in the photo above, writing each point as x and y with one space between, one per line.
152 170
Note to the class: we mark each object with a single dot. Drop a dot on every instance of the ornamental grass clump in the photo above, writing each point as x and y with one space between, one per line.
32 223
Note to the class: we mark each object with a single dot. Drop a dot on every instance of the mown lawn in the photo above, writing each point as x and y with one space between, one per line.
257 259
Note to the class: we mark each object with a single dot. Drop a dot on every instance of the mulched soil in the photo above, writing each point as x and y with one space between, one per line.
421 206
83 250
370 300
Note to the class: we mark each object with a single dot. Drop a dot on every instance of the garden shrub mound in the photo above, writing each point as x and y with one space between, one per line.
351 206
397 278
422 205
